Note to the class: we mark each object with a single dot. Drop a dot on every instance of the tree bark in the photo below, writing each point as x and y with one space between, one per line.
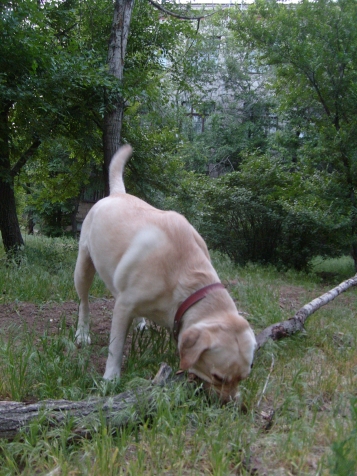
16 415
113 118
296 323
118 411
9 223
74 216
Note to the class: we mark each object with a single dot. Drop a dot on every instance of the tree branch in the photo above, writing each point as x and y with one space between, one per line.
296 323
64 32
177 15
117 411
25 157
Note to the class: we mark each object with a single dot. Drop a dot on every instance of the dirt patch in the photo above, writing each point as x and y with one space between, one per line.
49 317
292 298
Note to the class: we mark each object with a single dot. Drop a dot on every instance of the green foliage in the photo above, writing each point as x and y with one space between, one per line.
293 193
263 214
43 366
146 345
156 167
341 267
50 86
239 223
311 48
224 109
54 185
52 80
55 86
45 271
52 219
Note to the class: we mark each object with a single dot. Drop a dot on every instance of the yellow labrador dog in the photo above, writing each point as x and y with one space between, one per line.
156 265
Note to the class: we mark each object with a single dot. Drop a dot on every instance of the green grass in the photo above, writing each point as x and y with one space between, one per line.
342 267
43 366
45 273
300 413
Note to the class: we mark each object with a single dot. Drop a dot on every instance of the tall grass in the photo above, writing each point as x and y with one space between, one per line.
299 412
43 366
45 272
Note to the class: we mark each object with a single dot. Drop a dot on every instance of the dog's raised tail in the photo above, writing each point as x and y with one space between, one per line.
116 169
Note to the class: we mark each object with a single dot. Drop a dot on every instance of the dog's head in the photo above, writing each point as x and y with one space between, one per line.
219 354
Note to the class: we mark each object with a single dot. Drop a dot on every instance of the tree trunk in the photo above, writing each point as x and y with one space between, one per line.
30 216
113 118
354 254
9 223
116 411
74 216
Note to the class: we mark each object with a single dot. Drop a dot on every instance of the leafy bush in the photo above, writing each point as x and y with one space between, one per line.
54 218
239 224
264 213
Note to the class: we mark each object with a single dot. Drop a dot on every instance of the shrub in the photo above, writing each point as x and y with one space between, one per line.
240 225
263 214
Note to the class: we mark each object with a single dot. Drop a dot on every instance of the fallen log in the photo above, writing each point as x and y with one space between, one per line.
126 408
279 330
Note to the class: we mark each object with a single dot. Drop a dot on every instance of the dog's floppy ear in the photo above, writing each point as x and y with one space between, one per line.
192 343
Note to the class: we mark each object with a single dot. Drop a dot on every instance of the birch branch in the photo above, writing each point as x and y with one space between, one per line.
279 330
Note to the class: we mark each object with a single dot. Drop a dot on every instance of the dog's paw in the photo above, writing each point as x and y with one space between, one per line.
111 374
140 324
82 337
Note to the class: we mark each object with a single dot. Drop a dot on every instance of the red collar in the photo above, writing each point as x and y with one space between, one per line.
190 301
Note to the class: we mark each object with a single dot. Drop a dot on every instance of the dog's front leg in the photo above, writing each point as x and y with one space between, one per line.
82 334
120 325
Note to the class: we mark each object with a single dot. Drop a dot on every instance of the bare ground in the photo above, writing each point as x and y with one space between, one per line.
49 317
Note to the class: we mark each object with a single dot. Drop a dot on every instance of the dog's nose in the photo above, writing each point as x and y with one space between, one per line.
237 395
230 396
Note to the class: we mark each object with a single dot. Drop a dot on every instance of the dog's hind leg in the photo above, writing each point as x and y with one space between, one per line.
83 278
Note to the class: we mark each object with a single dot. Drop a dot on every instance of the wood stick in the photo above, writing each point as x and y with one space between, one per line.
279 330
119 410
